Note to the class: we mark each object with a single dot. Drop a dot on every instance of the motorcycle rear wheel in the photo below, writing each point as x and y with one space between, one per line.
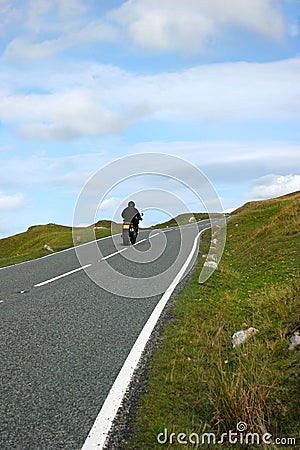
125 237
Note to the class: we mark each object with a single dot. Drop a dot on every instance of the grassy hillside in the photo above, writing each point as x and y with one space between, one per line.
199 383
30 244
182 219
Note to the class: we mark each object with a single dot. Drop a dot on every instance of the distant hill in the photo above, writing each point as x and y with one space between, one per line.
254 204
182 219
30 244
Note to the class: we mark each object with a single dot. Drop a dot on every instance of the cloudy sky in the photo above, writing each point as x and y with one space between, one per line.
83 83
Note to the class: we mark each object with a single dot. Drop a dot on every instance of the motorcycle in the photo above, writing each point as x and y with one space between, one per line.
129 232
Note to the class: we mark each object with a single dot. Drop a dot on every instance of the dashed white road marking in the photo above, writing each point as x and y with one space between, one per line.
89 265
123 249
112 254
62 275
43 283
153 235
139 242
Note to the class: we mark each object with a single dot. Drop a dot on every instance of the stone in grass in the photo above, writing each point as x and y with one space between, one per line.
47 247
211 264
294 340
241 336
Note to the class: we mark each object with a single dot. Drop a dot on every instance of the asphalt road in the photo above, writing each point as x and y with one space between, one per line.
64 339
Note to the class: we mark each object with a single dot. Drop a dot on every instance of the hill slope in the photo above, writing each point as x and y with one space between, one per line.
181 219
198 382
30 244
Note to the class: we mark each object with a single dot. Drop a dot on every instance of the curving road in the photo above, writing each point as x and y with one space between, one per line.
64 337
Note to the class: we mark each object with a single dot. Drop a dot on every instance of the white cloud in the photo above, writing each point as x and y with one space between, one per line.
68 8
63 115
44 28
26 48
101 99
225 162
270 186
232 163
49 15
109 203
28 173
189 25
230 152
36 16
10 202
227 91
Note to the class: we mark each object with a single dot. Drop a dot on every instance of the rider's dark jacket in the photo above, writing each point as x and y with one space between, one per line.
131 214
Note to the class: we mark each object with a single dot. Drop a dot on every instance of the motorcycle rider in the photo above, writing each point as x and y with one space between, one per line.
132 215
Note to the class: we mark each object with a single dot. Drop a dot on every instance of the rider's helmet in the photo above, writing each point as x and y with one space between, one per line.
131 203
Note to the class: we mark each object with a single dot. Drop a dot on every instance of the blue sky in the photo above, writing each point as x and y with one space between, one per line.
85 82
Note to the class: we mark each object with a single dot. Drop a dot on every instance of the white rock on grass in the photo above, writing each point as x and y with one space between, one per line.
47 247
211 264
241 336
294 340
213 257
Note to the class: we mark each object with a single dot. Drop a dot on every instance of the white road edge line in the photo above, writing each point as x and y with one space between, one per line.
99 432
62 275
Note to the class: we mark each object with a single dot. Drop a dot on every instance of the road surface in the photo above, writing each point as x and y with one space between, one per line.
64 339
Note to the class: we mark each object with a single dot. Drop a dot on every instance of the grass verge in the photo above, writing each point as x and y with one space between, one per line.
198 383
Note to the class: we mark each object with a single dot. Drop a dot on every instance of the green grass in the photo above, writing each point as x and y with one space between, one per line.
182 219
197 381
30 244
